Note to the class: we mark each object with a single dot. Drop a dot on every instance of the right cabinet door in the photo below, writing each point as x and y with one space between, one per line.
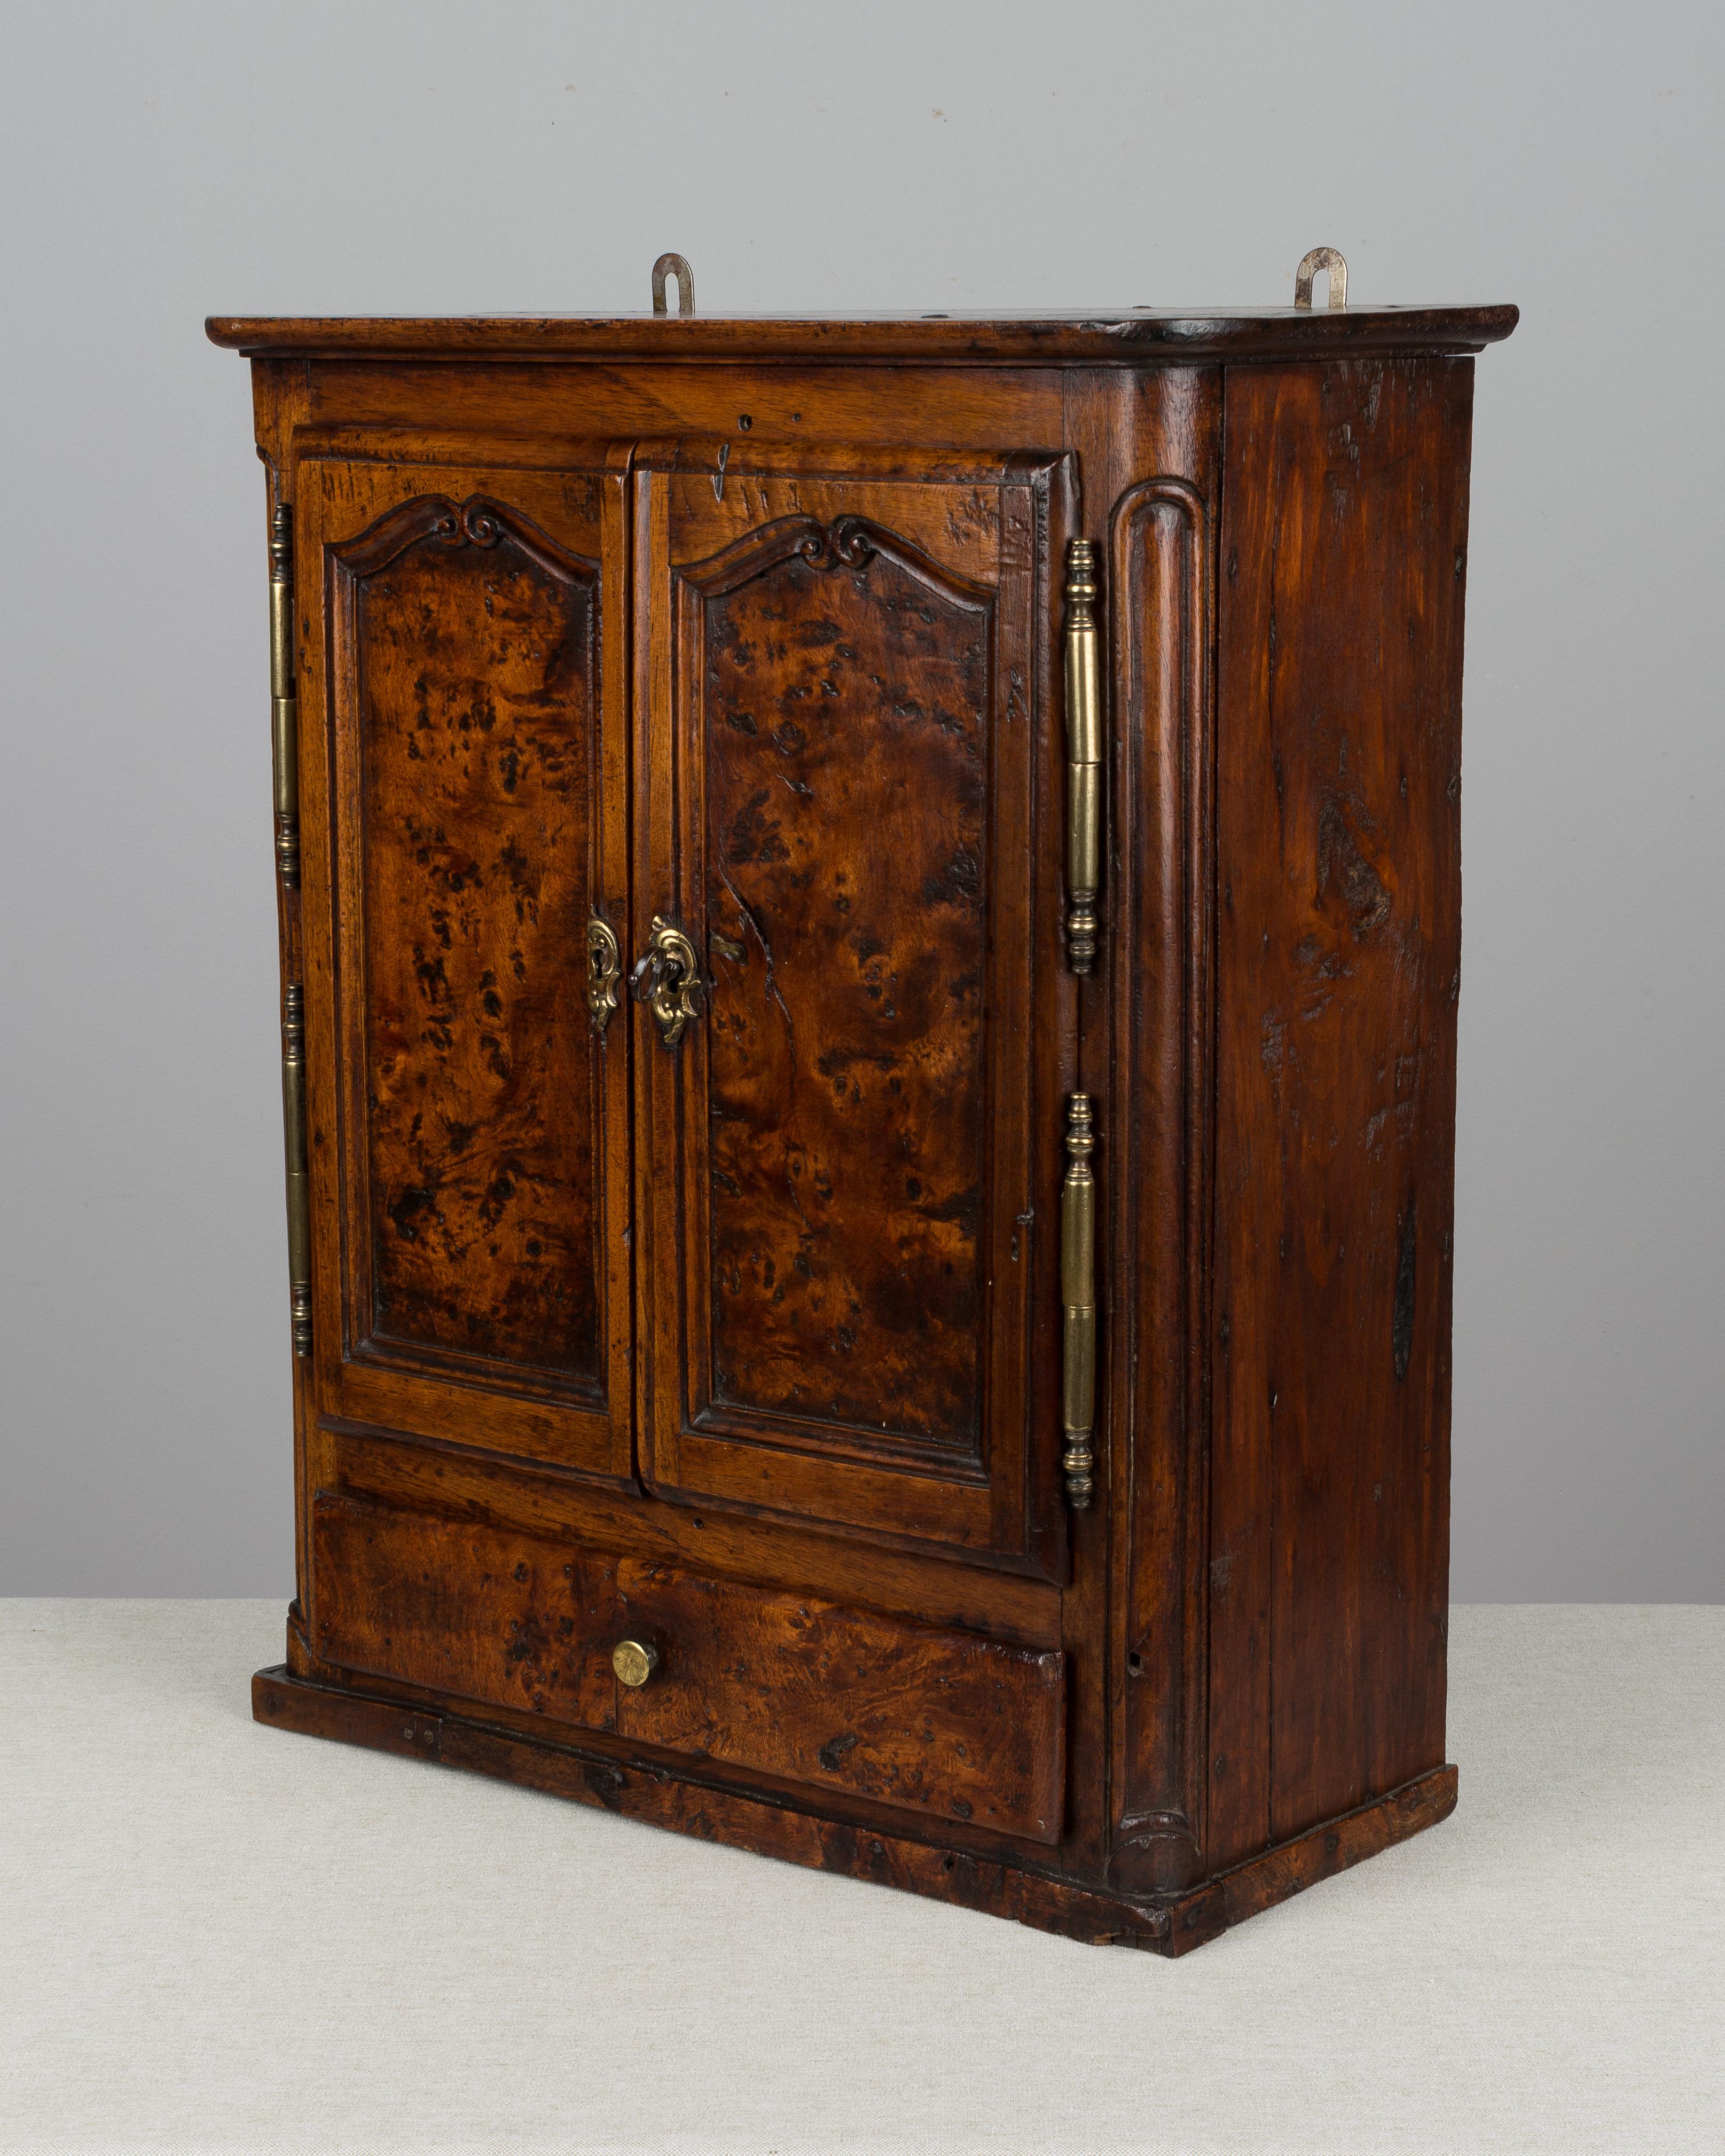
851 782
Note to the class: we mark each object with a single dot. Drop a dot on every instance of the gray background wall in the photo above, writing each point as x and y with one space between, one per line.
162 162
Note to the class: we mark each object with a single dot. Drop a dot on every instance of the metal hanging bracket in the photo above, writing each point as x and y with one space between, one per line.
677 266
1321 258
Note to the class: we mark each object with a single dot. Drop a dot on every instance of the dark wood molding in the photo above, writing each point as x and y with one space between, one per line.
641 1788
1129 338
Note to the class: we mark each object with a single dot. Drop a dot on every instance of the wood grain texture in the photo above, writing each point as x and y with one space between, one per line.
939 408
847 706
845 1700
1125 336
476 649
849 729
1343 548
1162 568
464 774
465 1611
848 1701
393 1469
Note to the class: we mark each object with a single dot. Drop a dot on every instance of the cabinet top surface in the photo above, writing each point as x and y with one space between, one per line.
1132 335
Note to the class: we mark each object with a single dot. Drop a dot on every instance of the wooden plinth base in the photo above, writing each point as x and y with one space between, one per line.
770 1827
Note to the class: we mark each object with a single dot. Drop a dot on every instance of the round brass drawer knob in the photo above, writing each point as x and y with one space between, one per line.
635 1660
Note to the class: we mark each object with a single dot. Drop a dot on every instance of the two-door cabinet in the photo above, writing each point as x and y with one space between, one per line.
869 934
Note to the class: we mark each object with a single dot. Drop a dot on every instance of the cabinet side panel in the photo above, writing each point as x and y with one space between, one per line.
1338 785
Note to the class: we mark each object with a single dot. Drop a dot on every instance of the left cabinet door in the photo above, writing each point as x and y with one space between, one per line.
463 796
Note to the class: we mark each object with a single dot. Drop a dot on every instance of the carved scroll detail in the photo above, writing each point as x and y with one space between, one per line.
844 544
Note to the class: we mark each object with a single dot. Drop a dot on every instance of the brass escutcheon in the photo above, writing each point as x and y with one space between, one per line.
604 969
668 980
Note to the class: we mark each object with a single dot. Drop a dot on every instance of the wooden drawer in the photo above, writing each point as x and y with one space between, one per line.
923 1717
476 1612
931 1720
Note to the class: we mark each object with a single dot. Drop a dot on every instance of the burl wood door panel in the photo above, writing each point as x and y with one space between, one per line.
470 699
848 1702
852 808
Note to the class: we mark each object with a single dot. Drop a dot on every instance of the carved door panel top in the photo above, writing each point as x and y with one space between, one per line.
848 741
470 1119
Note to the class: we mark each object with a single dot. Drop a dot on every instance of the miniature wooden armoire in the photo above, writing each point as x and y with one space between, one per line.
869 937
